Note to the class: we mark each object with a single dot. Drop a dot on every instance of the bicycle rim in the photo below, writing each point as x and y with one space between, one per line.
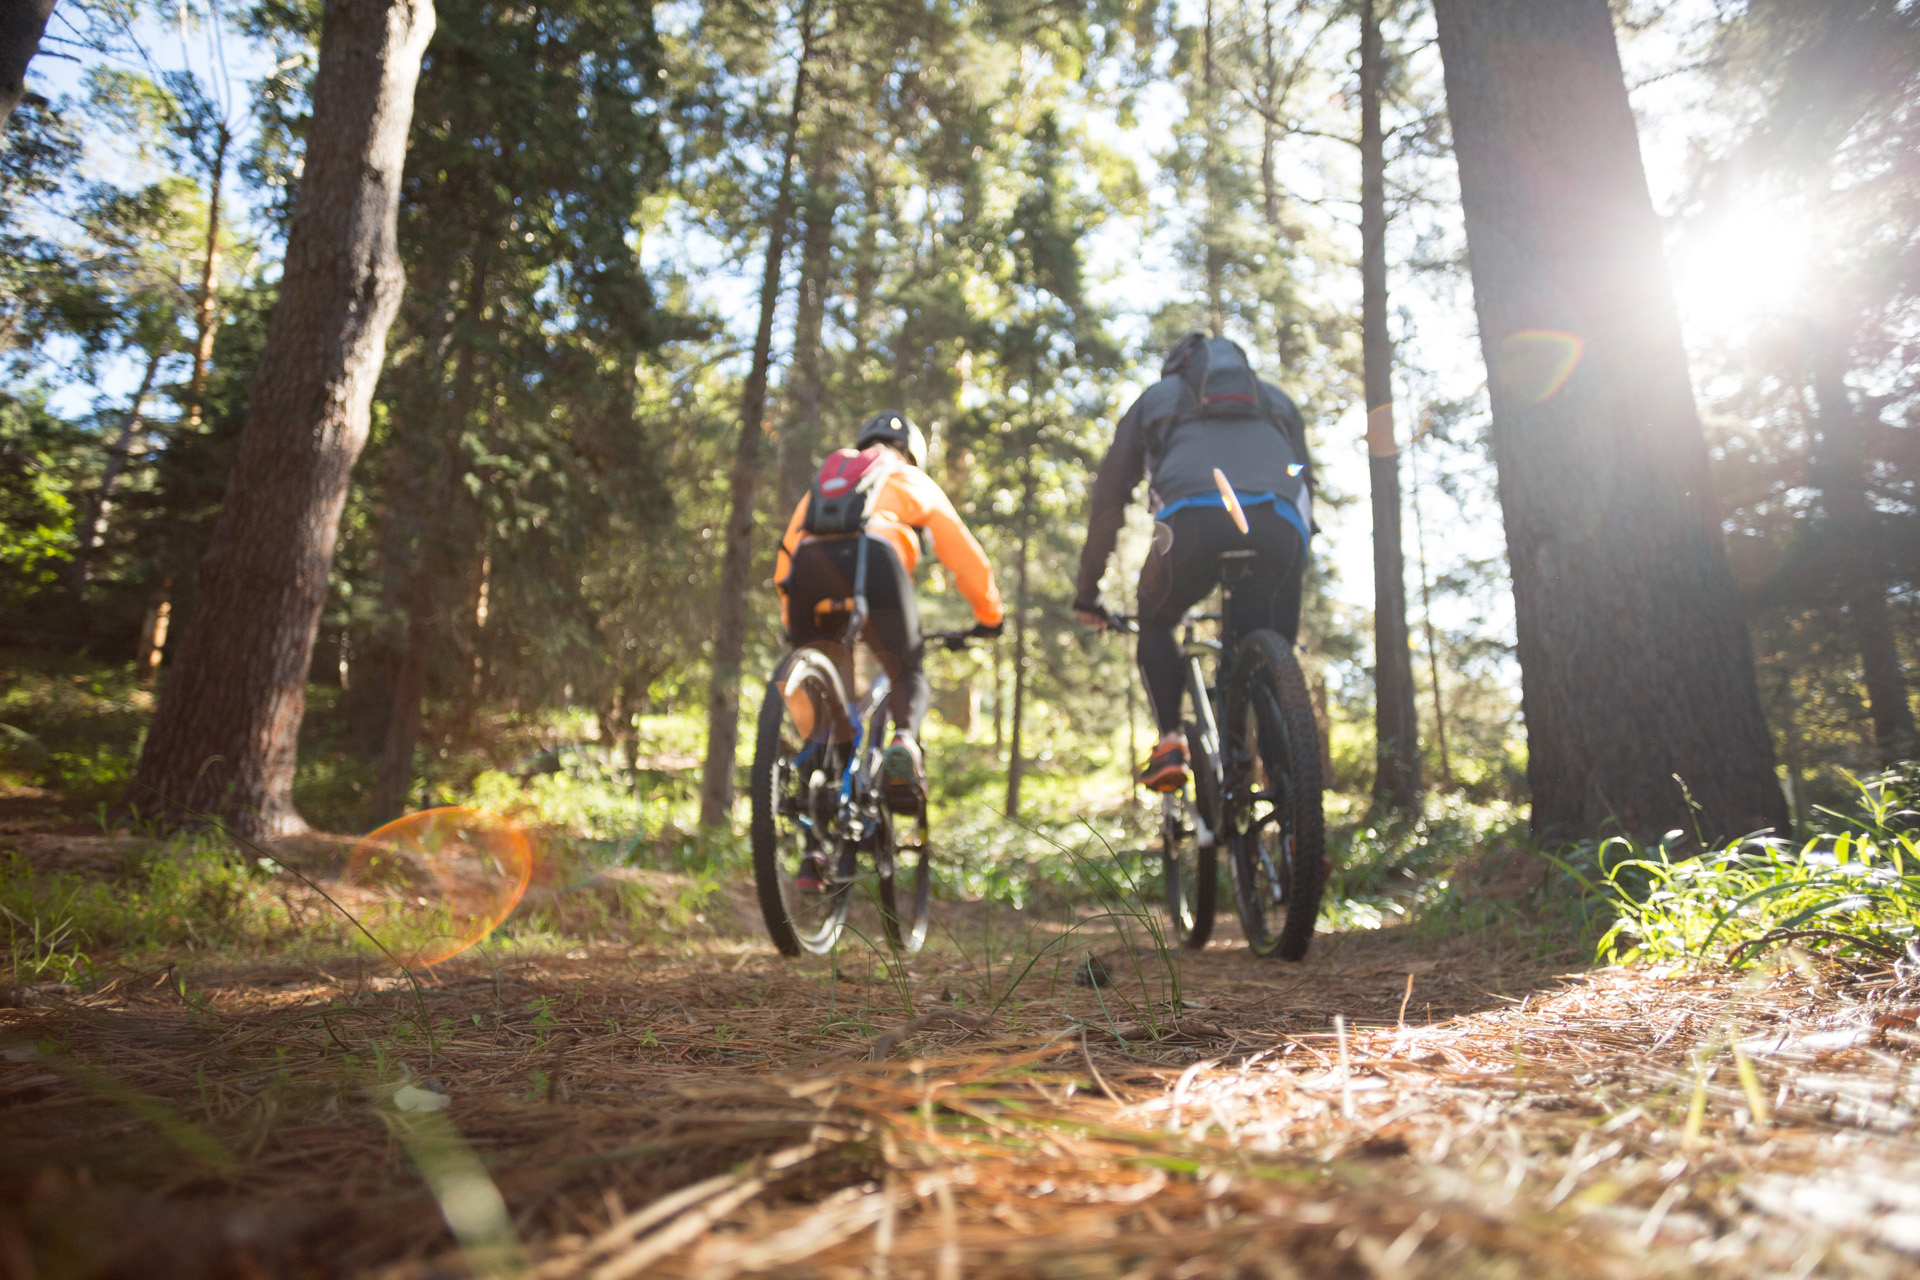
904 885
1276 829
795 784
1189 871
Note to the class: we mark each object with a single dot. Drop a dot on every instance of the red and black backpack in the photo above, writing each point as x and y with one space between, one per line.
842 494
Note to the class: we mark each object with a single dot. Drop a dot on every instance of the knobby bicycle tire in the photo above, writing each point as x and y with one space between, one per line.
906 931
785 915
1280 762
1192 895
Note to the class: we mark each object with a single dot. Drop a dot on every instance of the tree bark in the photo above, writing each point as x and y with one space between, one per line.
1634 655
1269 131
440 533
80 573
225 736
1396 722
1016 762
730 612
206 306
22 22
1841 471
1426 618
800 442
1215 257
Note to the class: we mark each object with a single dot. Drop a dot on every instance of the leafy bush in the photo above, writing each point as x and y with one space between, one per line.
1854 890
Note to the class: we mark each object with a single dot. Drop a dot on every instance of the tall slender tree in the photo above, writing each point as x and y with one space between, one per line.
225 736
1396 782
730 622
1637 673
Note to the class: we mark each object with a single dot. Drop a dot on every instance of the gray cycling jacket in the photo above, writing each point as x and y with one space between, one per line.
1181 455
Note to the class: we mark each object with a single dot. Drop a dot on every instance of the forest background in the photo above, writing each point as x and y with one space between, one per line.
994 219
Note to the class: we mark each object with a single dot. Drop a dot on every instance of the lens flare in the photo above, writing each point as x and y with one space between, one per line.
441 881
1535 363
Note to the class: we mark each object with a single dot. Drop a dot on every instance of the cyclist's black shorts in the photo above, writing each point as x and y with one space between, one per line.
1184 566
823 569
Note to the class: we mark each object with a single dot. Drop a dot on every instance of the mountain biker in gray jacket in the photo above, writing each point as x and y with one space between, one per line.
1208 412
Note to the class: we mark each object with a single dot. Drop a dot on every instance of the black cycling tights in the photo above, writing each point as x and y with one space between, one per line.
1184 565
823 570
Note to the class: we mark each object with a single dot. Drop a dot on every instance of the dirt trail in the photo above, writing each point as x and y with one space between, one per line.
717 1112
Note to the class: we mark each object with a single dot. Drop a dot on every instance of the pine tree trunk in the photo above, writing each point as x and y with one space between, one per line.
800 441
21 25
440 533
1396 778
730 612
1841 473
1215 256
1016 762
206 307
93 523
1269 131
1634 655
226 733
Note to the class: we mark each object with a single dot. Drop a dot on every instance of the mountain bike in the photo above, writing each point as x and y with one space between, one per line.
1254 760
817 798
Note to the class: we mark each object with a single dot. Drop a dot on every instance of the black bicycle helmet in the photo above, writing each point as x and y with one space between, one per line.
890 426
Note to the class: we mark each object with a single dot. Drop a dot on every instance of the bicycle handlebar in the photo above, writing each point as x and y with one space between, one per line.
955 640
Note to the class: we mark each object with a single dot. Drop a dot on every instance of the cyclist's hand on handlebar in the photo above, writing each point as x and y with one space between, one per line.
987 630
1092 615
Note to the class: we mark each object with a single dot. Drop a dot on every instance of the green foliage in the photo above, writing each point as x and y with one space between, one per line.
1855 890
191 894
1434 870
36 516
69 724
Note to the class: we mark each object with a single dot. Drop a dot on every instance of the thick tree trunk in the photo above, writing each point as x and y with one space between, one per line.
730 612
1841 472
1396 722
1634 656
1016 761
800 441
21 24
226 733
93 523
207 305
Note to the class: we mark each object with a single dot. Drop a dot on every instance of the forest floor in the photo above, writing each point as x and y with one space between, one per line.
1402 1103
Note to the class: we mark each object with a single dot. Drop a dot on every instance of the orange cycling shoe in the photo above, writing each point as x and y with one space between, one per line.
1166 768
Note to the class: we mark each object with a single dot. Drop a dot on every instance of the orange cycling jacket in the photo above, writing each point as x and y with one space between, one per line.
906 500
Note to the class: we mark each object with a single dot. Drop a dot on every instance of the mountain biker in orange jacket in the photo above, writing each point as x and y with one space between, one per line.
816 573
1207 417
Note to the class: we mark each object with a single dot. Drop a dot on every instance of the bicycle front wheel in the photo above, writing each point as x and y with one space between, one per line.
1189 850
799 754
906 891
1275 828
906 879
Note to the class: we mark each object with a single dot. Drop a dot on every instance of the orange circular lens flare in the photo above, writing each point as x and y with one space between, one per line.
441 880
1534 364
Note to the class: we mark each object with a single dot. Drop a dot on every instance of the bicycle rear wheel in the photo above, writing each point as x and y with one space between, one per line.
1276 832
1189 863
799 753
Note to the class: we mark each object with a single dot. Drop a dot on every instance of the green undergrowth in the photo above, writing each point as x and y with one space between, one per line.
1434 871
190 895
1852 890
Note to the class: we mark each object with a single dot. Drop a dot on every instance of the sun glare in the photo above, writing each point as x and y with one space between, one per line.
1746 267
